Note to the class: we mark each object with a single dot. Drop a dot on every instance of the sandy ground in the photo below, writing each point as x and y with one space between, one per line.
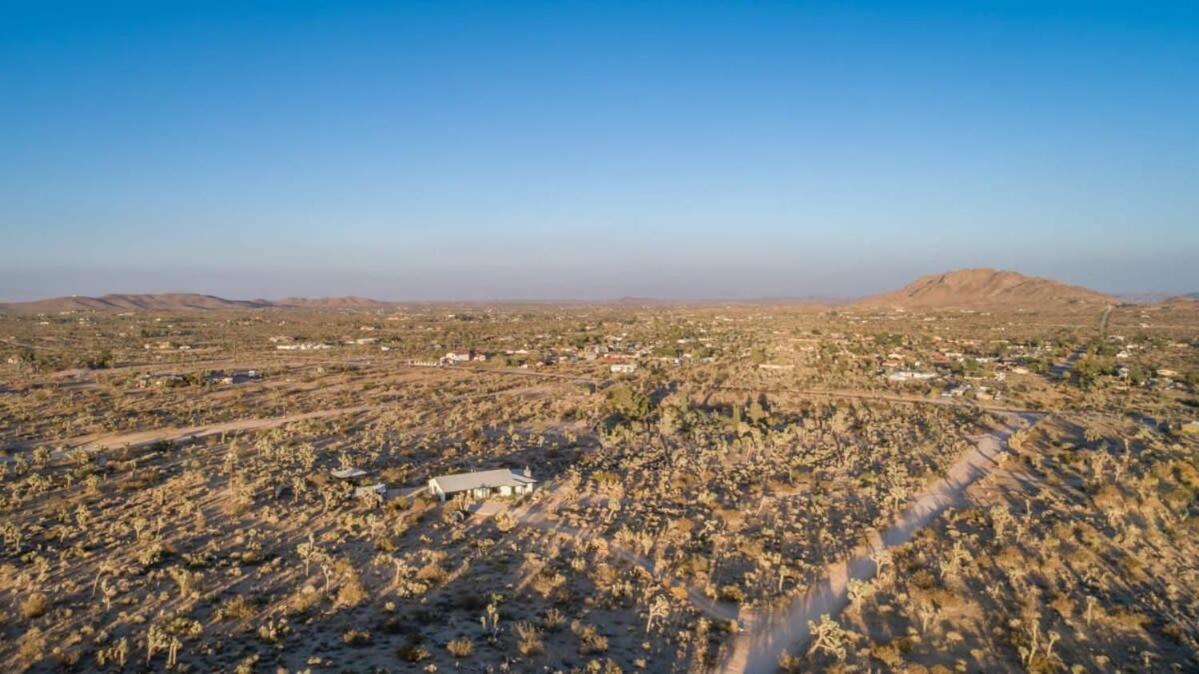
540 514
766 635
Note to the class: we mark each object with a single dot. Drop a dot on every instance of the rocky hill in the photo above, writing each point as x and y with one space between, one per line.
985 289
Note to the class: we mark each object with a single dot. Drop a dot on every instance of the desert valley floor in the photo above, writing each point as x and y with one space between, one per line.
731 487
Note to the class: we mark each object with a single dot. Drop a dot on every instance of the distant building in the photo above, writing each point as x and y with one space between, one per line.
167 380
623 368
502 482
956 391
238 377
910 375
305 346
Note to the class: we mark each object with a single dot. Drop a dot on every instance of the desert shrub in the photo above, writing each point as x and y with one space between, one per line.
460 648
236 609
732 593
351 592
505 522
889 654
413 653
553 620
432 572
590 640
32 645
528 639
34 606
303 601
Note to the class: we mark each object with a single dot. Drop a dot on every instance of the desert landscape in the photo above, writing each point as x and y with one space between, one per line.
982 471
599 337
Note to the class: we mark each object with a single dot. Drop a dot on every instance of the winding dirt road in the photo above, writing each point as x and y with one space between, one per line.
766 635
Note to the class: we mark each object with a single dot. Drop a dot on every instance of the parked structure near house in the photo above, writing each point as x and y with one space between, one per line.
624 368
361 481
501 482
955 391
238 377
166 380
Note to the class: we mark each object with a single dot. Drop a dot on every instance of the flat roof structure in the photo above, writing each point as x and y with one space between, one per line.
483 483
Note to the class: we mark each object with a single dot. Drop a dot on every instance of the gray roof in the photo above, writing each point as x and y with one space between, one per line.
503 477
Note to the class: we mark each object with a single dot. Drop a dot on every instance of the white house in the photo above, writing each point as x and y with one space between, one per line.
502 482
624 368
452 357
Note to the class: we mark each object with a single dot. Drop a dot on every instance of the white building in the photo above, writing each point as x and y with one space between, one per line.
624 368
502 482
909 375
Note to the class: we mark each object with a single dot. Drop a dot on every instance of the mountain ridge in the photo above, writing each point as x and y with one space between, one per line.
182 302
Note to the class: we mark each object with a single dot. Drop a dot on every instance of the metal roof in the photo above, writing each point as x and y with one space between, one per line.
504 477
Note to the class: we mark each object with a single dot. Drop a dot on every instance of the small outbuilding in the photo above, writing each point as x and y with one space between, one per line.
502 482
360 479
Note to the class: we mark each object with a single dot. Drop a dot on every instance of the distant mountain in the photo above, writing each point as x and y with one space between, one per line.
1144 298
182 302
985 289
133 302
1187 301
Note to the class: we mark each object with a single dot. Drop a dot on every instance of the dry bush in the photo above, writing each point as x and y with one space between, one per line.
356 637
351 592
237 608
413 653
34 606
590 640
528 639
460 648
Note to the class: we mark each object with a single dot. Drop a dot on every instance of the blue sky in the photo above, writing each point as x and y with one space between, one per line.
585 150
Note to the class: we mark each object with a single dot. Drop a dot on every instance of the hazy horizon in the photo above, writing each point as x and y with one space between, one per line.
424 291
479 152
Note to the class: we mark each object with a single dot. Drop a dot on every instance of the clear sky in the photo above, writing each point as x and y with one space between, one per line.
489 150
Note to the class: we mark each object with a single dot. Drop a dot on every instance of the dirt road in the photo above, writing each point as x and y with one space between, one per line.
767 634
147 437
97 441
